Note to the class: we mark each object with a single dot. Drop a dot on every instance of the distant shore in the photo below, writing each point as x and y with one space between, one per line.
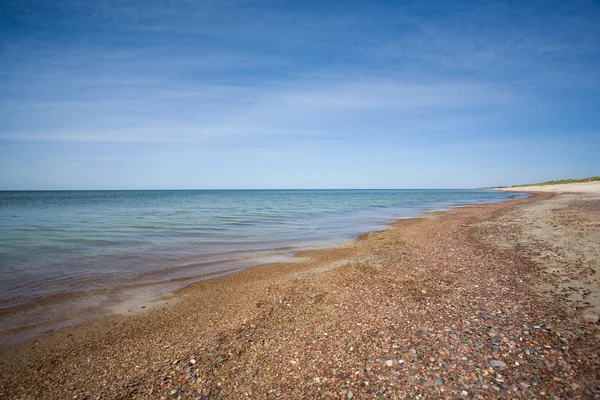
584 187
494 300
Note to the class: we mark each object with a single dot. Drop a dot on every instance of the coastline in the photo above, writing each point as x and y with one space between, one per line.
27 318
375 318
583 187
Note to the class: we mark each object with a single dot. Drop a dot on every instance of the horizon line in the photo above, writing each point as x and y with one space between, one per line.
231 189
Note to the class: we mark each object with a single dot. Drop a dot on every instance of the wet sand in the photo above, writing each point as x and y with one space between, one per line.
468 303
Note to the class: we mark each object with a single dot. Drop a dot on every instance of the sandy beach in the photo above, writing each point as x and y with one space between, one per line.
499 300
583 187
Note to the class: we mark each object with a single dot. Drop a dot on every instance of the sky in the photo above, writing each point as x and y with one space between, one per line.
297 94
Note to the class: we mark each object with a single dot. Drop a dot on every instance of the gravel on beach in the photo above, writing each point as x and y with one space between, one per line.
449 305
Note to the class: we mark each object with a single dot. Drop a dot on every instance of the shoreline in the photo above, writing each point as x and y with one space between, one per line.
25 321
346 316
580 187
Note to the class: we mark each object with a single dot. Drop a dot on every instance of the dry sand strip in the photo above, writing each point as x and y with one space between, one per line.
458 304
584 187
563 237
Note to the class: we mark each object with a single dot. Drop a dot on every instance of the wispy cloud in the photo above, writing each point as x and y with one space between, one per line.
148 112
285 77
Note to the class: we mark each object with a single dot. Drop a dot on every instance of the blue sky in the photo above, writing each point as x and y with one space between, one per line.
286 94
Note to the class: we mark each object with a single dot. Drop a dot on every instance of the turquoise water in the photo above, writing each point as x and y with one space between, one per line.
68 241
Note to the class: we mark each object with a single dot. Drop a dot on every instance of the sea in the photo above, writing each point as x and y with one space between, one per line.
57 242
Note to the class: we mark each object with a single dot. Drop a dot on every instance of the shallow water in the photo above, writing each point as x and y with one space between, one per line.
56 242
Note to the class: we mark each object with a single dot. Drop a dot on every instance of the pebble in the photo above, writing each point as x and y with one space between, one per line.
466 354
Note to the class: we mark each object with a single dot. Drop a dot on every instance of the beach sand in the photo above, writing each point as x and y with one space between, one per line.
491 301
585 187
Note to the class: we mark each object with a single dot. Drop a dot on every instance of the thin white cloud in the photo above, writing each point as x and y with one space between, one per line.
153 113
411 85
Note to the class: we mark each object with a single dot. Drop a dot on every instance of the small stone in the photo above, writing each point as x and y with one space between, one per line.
389 363
350 395
439 382
498 363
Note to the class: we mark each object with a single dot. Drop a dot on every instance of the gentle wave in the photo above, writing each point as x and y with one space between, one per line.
57 242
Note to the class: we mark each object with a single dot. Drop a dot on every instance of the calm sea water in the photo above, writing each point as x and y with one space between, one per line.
67 241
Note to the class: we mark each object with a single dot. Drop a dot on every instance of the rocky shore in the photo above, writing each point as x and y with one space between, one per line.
491 301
